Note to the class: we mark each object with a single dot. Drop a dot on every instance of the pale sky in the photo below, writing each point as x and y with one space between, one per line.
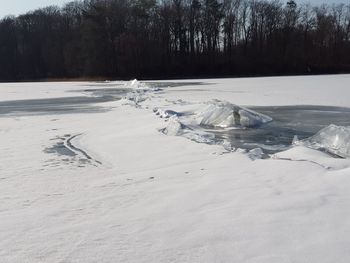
16 7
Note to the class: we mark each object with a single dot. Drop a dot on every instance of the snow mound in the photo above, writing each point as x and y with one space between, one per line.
332 139
225 115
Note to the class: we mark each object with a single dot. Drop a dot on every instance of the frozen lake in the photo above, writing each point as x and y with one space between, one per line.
87 173
289 121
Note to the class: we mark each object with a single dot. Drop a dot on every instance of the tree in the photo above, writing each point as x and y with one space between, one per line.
172 38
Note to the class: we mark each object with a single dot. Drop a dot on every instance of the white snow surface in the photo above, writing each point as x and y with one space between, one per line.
148 197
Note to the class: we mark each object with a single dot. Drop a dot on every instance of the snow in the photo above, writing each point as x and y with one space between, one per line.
325 90
149 197
305 154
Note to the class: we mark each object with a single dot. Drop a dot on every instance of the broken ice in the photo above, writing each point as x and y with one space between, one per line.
225 115
332 139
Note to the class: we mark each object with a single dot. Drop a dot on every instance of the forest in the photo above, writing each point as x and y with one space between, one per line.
115 39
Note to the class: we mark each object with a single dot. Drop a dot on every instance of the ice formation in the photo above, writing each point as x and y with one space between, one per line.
224 114
332 139
228 146
134 83
165 113
176 128
255 154
136 97
137 85
215 114
137 93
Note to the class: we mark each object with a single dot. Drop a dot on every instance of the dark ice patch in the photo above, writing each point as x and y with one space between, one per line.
288 122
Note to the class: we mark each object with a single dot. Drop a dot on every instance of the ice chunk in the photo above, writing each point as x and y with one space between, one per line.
165 113
228 146
295 140
199 136
176 128
142 86
136 97
332 139
256 153
137 85
224 114
134 83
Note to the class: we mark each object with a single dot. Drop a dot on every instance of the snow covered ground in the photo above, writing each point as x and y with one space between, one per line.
110 186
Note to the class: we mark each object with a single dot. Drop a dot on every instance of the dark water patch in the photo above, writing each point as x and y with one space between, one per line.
288 122
309 119
60 149
103 84
66 105
82 152
68 154
189 90
117 93
166 84
174 84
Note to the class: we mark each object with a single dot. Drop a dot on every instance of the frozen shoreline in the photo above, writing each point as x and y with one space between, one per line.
158 198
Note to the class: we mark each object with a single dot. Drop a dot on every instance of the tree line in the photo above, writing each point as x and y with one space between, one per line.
175 38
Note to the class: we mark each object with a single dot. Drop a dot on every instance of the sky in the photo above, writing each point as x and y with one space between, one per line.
16 7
